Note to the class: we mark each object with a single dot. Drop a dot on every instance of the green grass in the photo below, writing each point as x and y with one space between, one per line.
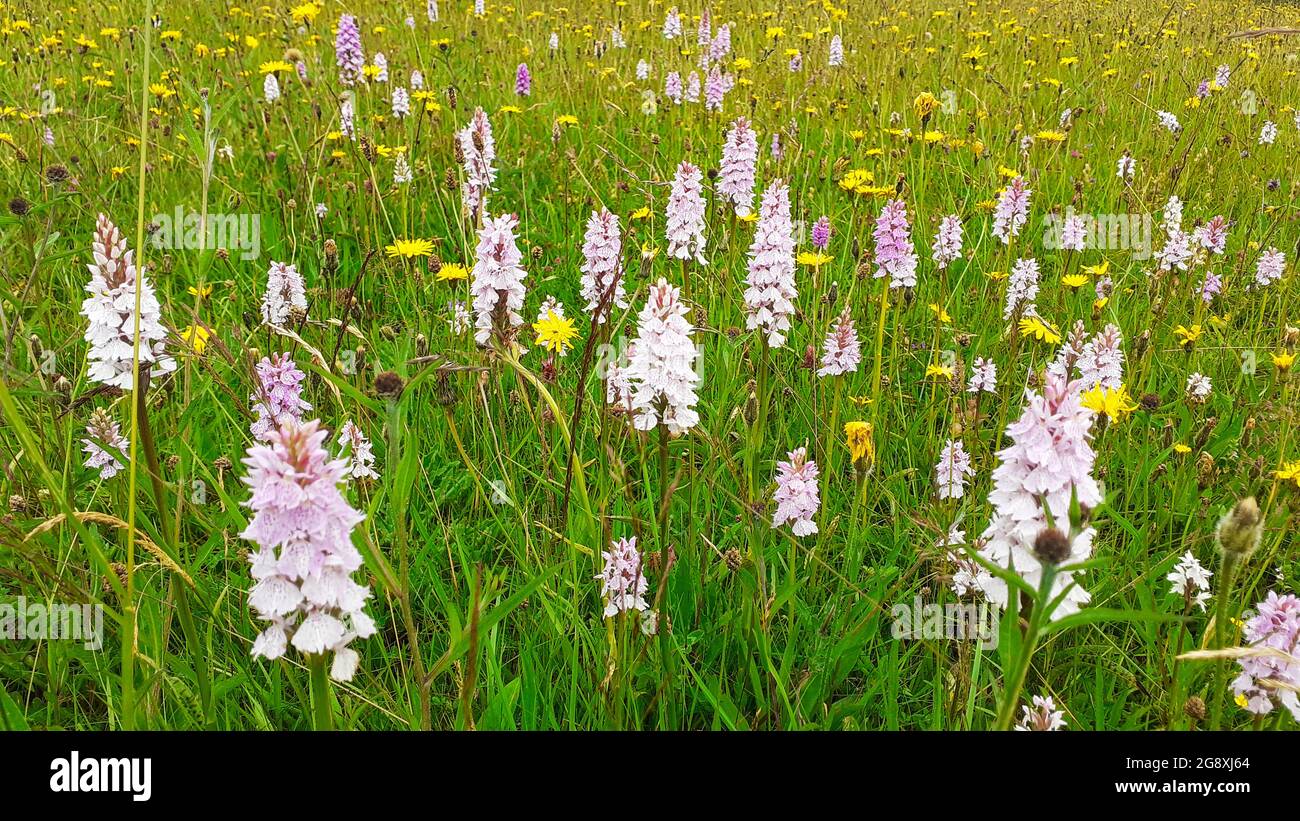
488 614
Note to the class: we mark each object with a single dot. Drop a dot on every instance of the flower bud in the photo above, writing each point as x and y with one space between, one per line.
1052 546
1239 530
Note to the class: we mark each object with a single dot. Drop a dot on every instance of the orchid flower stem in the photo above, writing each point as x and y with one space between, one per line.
322 713
1011 696
1226 571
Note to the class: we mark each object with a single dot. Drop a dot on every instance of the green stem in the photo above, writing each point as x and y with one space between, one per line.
1011 697
129 611
322 715
1226 570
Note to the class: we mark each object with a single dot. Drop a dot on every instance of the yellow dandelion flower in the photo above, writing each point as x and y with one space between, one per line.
196 337
1074 280
555 333
1179 447
1188 336
1114 403
940 312
924 105
1036 328
813 258
306 13
1290 472
452 271
1098 270
1283 361
410 248
939 372
858 437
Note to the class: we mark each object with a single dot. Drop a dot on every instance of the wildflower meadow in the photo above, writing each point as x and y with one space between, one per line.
388 364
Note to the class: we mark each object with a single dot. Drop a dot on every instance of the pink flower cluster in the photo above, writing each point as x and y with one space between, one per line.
105 447
842 352
685 215
953 470
622 582
279 395
347 50
983 376
1101 362
739 159
661 371
947 242
304 560
498 283
110 314
895 254
770 291
1049 458
602 268
478 151
797 497
1022 288
1275 626
1012 211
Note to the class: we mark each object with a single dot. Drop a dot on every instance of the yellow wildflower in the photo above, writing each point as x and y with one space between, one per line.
1037 328
409 248
196 337
1290 472
925 105
305 13
555 333
858 437
1114 403
938 372
1188 336
452 271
